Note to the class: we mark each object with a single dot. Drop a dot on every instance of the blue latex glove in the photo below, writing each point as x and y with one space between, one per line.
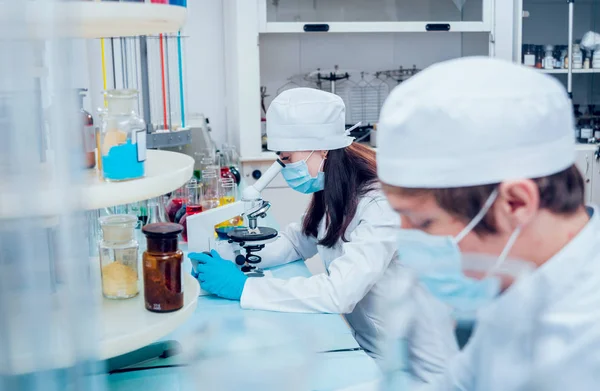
218 276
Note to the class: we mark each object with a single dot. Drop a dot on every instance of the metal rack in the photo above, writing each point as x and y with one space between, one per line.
363 92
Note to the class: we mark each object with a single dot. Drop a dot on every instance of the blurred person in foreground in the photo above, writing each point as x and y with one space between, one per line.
479 154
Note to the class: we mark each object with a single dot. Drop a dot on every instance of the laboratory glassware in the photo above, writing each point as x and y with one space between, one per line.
224 167
175 203
210 189
163 290
119 256
193 205
123 137
233 162
156 213
577 57
529 55
549 57
89 132
228 195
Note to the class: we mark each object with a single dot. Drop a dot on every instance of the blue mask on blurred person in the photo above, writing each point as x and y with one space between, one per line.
440 266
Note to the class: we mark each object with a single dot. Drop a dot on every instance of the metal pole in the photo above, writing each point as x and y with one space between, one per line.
570 74
145 82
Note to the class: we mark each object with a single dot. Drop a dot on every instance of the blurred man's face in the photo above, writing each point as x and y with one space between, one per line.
423 213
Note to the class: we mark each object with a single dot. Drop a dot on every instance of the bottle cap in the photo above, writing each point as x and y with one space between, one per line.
162 230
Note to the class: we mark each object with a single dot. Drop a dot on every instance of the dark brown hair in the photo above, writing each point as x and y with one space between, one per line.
561 193
350 173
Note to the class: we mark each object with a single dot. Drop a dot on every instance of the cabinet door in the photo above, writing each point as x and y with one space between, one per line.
595 196
375 15
585 163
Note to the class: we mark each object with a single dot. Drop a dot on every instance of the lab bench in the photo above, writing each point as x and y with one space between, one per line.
340 362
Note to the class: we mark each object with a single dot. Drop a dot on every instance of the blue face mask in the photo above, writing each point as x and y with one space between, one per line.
441 266
298 177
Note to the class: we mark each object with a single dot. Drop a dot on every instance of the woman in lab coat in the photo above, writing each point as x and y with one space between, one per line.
496 178
349 224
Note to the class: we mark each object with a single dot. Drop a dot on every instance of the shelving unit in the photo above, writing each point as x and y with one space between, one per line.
559 22
126 325
122 326
566 71
90 19
165 172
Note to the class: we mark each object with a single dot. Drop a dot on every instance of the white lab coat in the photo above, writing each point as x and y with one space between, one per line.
542 333
361 274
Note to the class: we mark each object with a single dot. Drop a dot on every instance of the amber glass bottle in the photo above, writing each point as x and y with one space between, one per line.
163 291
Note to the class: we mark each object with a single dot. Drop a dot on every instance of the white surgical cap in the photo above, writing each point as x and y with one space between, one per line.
305 119
474 121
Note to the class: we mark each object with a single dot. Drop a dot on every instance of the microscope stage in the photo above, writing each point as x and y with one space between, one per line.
240 235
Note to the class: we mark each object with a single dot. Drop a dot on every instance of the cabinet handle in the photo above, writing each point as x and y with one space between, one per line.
587 165
316 28
437 27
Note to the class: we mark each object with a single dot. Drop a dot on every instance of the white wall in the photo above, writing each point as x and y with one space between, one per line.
285 55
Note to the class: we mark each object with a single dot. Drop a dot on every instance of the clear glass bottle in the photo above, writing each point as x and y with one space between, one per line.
596 59
123 137
163 289
549 57
89 132
577 57
119 256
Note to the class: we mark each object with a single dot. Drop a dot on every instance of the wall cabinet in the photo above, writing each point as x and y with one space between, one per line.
269 41
588 162
297 16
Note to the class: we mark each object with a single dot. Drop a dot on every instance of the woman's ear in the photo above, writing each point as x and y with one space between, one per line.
324 154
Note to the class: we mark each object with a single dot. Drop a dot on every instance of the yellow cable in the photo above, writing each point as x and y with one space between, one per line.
99 151
103 67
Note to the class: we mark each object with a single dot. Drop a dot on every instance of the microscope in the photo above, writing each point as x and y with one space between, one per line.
245 241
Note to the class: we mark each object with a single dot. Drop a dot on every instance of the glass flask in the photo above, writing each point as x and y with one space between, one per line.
193 205
224 167
175 203
163 290
123 137
156 213
119 256
210 189
233 160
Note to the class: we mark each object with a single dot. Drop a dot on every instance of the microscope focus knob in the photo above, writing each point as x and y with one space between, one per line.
240 260
256 174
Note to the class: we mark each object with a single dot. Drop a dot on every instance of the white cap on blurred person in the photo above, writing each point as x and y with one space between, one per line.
474 121
305 119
